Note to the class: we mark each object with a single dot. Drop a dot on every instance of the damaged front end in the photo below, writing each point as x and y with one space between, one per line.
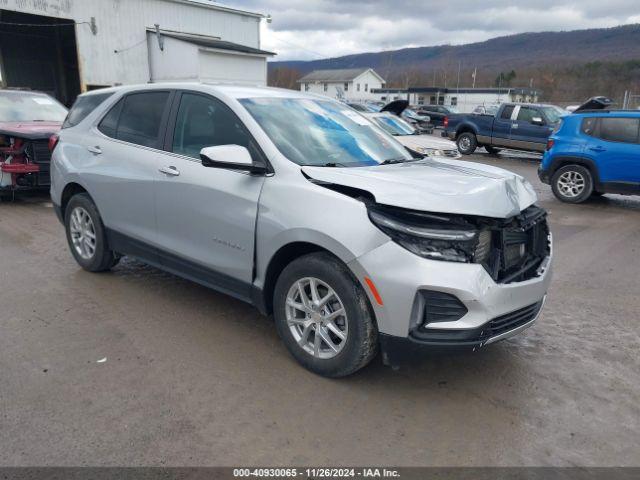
510 250
24 163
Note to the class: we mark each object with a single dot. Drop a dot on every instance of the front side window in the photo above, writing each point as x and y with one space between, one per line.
204 121
619 129
323 133
30 107
136 118
527 114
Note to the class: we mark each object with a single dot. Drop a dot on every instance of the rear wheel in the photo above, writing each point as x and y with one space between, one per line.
86 235
323 316
572 184
491 150
467 143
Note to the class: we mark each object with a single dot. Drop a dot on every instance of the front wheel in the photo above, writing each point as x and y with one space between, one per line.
323 316
572 184
467 143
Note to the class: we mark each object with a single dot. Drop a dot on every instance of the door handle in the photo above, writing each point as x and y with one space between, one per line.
171 170
95 150
597 149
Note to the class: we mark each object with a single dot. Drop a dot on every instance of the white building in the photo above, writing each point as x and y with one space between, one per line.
69 46
352 84
464 99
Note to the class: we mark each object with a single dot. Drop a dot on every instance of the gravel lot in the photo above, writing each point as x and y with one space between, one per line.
193 377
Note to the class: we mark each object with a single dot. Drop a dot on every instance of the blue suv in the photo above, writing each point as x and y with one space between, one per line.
591 153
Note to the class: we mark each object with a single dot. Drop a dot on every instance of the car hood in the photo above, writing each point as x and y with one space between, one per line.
30 130
440 186
426 141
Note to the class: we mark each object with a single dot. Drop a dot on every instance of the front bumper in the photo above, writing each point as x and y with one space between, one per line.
400 276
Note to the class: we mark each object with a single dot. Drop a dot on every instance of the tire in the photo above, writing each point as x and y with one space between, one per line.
595 194
491 150
572 184
94 255
357 325
467 143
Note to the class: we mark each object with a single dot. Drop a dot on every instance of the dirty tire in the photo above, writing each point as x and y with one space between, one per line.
491 150
582 179
361 343
103 257
467 143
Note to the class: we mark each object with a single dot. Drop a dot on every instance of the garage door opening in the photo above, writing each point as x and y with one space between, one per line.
39 53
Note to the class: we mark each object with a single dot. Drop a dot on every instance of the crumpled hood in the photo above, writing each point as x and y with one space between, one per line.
442 186
426 141
30 130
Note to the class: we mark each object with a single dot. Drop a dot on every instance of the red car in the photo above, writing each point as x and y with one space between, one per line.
27 122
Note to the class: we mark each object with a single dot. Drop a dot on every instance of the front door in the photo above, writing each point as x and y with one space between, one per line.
526 133
502 126
207 216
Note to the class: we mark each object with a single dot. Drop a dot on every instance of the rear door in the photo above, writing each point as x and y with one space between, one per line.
502 127
125 150
207 216
615 147
526 132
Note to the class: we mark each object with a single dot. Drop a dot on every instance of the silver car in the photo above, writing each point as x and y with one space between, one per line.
300 206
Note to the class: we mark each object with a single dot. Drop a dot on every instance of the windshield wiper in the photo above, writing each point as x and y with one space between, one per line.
391 161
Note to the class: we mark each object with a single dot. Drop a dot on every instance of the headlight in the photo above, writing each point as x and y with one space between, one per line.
432 152
437 237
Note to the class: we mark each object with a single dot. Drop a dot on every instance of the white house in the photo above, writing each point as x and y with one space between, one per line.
463 99
352 84
65 47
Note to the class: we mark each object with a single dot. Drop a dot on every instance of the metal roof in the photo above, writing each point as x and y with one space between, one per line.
217 6
211 42
337 75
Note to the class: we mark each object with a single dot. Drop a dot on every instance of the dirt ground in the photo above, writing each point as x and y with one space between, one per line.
193 377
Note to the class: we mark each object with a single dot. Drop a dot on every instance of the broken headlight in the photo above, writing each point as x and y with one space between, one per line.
431 152
433 236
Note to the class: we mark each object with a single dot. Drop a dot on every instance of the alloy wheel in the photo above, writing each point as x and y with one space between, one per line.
83 233
316 318
571 184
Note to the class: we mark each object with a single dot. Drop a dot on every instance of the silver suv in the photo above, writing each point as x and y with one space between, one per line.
302 207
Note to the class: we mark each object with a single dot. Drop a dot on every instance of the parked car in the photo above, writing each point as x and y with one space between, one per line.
518 126
486 110
437 113
401 108
27 120
592 153
411 138
364 107
303 208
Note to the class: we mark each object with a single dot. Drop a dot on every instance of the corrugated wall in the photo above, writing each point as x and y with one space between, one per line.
121 27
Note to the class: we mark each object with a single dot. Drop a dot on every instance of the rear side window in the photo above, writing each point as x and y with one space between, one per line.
137 118
619 129
506 113
82 107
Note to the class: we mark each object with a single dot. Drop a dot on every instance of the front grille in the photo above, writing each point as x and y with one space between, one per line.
479 335
441 307
38 153
510 321
519 247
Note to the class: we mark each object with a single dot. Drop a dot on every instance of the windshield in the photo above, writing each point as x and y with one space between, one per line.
320 132
395 125
411 114
553 114
30 107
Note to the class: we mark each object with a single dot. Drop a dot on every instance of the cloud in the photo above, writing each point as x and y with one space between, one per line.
310 29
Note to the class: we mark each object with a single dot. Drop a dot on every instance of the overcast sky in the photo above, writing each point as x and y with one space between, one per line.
312 29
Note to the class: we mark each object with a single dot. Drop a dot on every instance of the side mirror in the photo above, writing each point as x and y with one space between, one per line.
232 157
537 121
